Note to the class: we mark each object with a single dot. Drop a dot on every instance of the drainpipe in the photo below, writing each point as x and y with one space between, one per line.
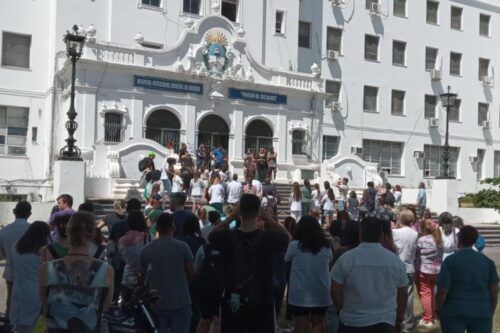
313 115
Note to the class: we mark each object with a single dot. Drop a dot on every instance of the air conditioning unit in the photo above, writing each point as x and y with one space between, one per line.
375 9
433 122
418 154
332 55
487 80
436 74
337 2
336 106
486 124
473 159
356 150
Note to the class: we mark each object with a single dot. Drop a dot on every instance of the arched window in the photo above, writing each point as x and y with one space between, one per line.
163 127
113 127
213 131
299 143
258 135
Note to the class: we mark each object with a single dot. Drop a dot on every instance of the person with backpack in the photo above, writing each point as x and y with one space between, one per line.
248 252
76 290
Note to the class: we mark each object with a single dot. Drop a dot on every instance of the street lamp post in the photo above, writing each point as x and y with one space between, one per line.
448 101
74 46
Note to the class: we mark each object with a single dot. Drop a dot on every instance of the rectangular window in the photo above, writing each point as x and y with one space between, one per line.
398 53
454 114
371 47
334 39
400 8
16 50
432 12
455 63
13 130
113 127
330 146
398 102
304 34
279 24
192 6
386 153
370 99
433 159
479 166
368 4
153 3
430 106
229 9
34 134
496 164
484 25
456 17
484 65
332 88
430 58
482 113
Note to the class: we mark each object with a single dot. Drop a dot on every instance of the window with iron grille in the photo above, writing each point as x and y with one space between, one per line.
192 6
430 106
479 166
299 143
430 58
371 47
455 63
433 160
387 154
304 34
16 50
456 17
330 146
334 39
496 164
482 113
432 12
258 135
113 127
13 130
484 25
398 102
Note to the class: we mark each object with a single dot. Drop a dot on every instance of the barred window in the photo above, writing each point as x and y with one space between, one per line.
191 6
386 153
13 130
433 159
371 47
299 143
304 34
330 146
113 127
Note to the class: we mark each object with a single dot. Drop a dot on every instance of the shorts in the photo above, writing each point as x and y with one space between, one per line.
299 311
196 198
209 307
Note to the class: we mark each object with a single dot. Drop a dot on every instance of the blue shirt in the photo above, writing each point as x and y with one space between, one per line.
467 276
370 276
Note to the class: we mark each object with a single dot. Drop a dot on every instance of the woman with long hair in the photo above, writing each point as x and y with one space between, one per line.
296 202
262 164
76 290
306 197
291 225
398 194
353 206
310 255
25 261
365 201
328 202
272 164
316 197
428 263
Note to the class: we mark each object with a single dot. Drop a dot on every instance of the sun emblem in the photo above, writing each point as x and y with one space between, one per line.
215 57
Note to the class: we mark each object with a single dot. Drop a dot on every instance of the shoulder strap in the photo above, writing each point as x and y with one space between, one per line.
98 252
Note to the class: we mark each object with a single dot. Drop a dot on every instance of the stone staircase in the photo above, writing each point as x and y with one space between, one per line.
491 234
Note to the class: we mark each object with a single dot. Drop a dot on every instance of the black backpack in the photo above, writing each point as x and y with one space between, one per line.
248 272
209 282
389 199
142 164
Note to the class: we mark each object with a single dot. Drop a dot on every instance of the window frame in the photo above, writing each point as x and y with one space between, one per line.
435 58
308 36
486 109
405 15
4 51
6 133
230 2
459 63
367 36
481 153
453 108
429 165
435 106
189 12
331 99
496 163
282 31
489 25
427 12
394 42
365 96
106 126
403 102
459 28
368 4
488 62
325 142
330 28
384 145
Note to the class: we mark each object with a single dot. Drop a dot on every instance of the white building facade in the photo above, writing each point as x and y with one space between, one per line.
318 80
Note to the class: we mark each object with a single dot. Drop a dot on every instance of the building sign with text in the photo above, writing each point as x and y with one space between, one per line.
257 96
168 85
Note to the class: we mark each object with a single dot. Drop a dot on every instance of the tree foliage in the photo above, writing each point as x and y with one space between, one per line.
488 198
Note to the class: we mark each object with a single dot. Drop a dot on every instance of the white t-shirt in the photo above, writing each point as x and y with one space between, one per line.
406 241
327 203
196 187
450 242
316 198
216 193
295 206
397 198
258 187
177 184
234 190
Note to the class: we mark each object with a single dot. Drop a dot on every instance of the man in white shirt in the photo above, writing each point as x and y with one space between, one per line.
406 239
369 285
9 235
234 190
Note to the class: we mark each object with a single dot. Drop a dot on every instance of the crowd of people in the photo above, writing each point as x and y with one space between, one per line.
335 264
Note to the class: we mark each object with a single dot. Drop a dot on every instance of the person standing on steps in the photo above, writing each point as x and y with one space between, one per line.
306 191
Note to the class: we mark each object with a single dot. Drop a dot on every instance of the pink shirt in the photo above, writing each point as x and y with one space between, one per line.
429 256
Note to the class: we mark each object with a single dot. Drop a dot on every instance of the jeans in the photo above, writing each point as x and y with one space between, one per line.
425 287
332 319
175 321
409 317
167 185
458 324
377 328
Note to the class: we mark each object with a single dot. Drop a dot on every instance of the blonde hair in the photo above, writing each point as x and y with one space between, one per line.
407 217
119 205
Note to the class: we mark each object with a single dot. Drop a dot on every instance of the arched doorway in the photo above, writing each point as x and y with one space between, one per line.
213 131
258 135
163 127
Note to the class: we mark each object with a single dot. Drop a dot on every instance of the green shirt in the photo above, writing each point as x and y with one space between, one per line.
306 194
153 214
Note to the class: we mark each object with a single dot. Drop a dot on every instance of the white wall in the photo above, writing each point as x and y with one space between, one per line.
40 211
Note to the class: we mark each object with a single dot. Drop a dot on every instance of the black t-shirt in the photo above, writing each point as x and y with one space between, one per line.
119 229
269 244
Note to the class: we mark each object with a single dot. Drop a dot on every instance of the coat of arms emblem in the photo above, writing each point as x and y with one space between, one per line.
215 53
